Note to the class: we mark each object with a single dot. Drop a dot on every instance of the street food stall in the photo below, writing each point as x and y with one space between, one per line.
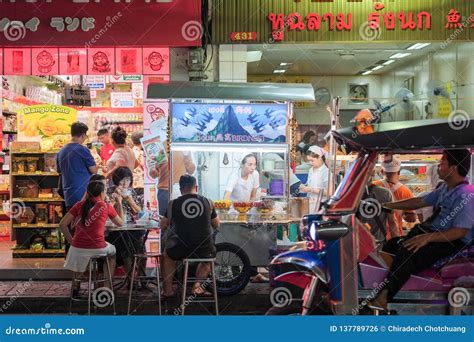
236 140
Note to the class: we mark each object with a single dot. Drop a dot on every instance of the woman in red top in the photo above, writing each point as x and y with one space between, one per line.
88 218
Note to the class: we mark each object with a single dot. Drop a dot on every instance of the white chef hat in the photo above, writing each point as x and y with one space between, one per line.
392 165
318 150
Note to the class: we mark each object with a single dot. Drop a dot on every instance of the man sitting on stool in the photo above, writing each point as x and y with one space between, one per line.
192 218
445 233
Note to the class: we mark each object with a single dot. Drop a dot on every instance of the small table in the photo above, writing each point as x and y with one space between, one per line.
128 239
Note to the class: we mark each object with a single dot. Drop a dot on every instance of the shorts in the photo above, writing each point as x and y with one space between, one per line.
180 251
77 259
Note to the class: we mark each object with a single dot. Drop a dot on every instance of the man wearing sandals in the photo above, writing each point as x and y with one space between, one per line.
191 219
445 233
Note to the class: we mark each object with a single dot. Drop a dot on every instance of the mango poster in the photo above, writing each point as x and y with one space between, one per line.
48 124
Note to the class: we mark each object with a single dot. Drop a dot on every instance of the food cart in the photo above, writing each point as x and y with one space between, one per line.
213 126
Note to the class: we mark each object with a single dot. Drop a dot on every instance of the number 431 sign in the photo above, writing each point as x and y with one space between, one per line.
243 36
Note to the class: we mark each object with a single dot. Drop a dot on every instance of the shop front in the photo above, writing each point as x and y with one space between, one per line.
388 63
72 62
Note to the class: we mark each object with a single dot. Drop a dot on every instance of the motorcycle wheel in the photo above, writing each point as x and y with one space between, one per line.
232 267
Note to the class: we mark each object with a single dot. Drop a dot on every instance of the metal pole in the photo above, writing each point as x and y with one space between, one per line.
334 116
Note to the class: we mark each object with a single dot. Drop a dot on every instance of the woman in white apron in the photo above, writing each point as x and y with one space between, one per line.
242 186
318 177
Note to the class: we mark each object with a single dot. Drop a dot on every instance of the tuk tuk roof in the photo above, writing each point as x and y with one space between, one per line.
409 136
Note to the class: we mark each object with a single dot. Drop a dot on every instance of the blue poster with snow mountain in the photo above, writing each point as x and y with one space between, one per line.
233 123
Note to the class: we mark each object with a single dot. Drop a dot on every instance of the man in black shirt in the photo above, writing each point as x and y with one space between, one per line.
191 219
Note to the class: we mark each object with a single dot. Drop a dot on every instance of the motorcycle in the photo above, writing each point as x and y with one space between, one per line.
340 270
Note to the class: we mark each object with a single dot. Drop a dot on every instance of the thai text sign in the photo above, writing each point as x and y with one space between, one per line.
344 20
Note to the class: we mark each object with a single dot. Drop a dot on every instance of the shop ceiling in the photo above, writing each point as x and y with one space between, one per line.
331 59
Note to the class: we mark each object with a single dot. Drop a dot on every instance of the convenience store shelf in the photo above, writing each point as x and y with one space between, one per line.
44 253
38 173
33 152
34 200
35 226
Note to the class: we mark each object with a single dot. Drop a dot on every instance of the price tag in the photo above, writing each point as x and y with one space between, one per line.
40 224
39 172
21 172
24 224
22 150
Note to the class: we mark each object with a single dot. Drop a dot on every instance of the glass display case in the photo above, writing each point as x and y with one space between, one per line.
216 166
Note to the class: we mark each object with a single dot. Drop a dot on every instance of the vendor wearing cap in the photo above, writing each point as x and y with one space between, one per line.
391 170
318 176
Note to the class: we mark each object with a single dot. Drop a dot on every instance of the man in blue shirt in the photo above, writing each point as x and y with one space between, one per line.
445 233
75 164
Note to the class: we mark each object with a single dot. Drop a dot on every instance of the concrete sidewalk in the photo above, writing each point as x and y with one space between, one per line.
52 297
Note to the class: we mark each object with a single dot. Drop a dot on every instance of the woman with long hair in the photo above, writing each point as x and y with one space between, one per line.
88 218
242 186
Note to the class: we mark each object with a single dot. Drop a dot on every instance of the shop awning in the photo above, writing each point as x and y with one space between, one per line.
295 92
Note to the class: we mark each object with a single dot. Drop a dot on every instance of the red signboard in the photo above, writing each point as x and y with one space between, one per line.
44 61
73 61
100 23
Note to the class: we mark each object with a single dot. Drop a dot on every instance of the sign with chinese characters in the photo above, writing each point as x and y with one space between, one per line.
233 123
100 23
48 124
121 100
342 20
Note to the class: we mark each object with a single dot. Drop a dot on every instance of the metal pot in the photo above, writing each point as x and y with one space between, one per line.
299 206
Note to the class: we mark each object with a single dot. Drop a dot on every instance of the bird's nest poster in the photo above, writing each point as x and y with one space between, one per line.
233 123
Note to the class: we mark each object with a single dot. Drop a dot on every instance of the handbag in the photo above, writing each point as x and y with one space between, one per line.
170 237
